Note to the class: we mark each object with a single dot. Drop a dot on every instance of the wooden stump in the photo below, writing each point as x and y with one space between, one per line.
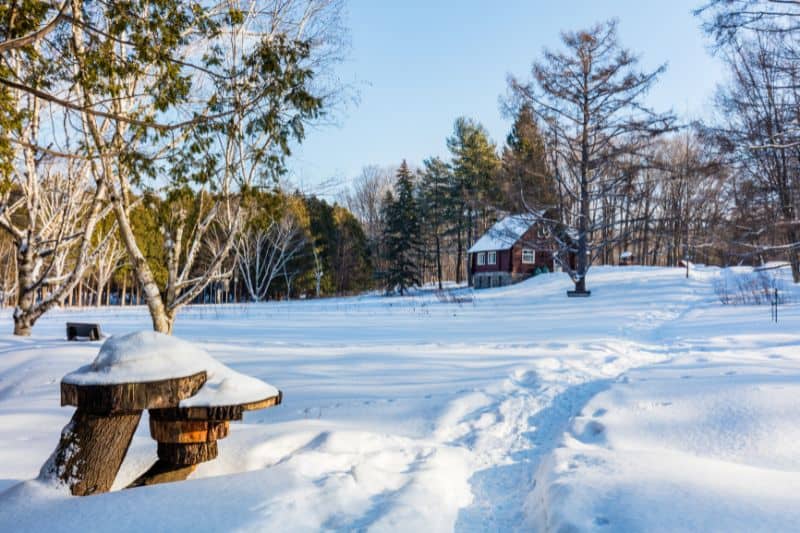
187 454
95 442
128 397
91 451
188 431
188 436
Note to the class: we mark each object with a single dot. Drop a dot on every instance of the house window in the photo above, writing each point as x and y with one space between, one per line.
528 257
492 260
481 259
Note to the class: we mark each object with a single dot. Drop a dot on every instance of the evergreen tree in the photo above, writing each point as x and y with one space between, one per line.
475 188
402 234
436 206
525 179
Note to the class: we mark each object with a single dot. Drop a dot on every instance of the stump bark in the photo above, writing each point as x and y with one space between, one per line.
90 451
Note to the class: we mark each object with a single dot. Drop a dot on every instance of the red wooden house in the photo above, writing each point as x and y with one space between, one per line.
515 248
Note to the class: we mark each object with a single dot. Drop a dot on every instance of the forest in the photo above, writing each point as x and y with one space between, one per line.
145 148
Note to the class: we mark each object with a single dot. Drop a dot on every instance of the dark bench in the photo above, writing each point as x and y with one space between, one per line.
83 329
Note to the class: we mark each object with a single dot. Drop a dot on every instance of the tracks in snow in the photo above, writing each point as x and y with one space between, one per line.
511 426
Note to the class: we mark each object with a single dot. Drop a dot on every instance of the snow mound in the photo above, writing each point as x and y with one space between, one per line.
150 356
225 386
141 356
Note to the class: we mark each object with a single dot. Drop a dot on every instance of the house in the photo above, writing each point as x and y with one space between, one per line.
515 248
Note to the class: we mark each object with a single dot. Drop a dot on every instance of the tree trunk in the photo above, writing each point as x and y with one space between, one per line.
459 253
438 262
23 320
91 451
142 273
470 223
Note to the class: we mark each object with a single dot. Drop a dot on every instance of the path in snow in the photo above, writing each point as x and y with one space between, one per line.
531 410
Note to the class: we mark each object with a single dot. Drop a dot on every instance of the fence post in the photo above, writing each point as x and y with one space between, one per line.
775 304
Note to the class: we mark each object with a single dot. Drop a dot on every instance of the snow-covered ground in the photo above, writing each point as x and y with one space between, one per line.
648 407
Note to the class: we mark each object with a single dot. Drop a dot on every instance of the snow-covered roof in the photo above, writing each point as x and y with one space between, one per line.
625 255
504 233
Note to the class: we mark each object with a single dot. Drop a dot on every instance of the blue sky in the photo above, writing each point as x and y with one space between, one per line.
419 65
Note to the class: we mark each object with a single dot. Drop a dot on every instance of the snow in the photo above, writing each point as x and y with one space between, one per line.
225 386
504 233
141 356
150 356
649 406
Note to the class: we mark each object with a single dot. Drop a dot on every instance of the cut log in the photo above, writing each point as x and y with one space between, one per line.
187 454
217 412
162 472
131 397
188 431
90 451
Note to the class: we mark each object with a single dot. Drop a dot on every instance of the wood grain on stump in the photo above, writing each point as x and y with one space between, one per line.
215 412
188 431
128 397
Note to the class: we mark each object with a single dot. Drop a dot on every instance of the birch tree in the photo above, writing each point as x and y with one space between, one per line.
265 253
243 80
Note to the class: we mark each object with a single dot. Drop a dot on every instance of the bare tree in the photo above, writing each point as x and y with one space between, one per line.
263 254
365 196
319 272
107 261
727 20
590 99
759 135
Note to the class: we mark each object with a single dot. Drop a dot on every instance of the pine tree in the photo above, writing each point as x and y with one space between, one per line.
525 179
401 234
436 206
475 187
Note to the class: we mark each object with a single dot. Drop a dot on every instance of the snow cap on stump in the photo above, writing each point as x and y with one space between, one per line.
141 356
149 356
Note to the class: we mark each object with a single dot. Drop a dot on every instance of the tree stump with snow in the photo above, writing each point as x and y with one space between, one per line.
130 374
94 443
191 398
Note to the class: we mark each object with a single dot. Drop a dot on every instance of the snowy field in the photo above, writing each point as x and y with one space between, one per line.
648 407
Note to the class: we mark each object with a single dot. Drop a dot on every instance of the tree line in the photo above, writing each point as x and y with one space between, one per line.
115 114
605 175
142 143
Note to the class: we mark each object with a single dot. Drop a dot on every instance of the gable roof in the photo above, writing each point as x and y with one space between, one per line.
504 233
